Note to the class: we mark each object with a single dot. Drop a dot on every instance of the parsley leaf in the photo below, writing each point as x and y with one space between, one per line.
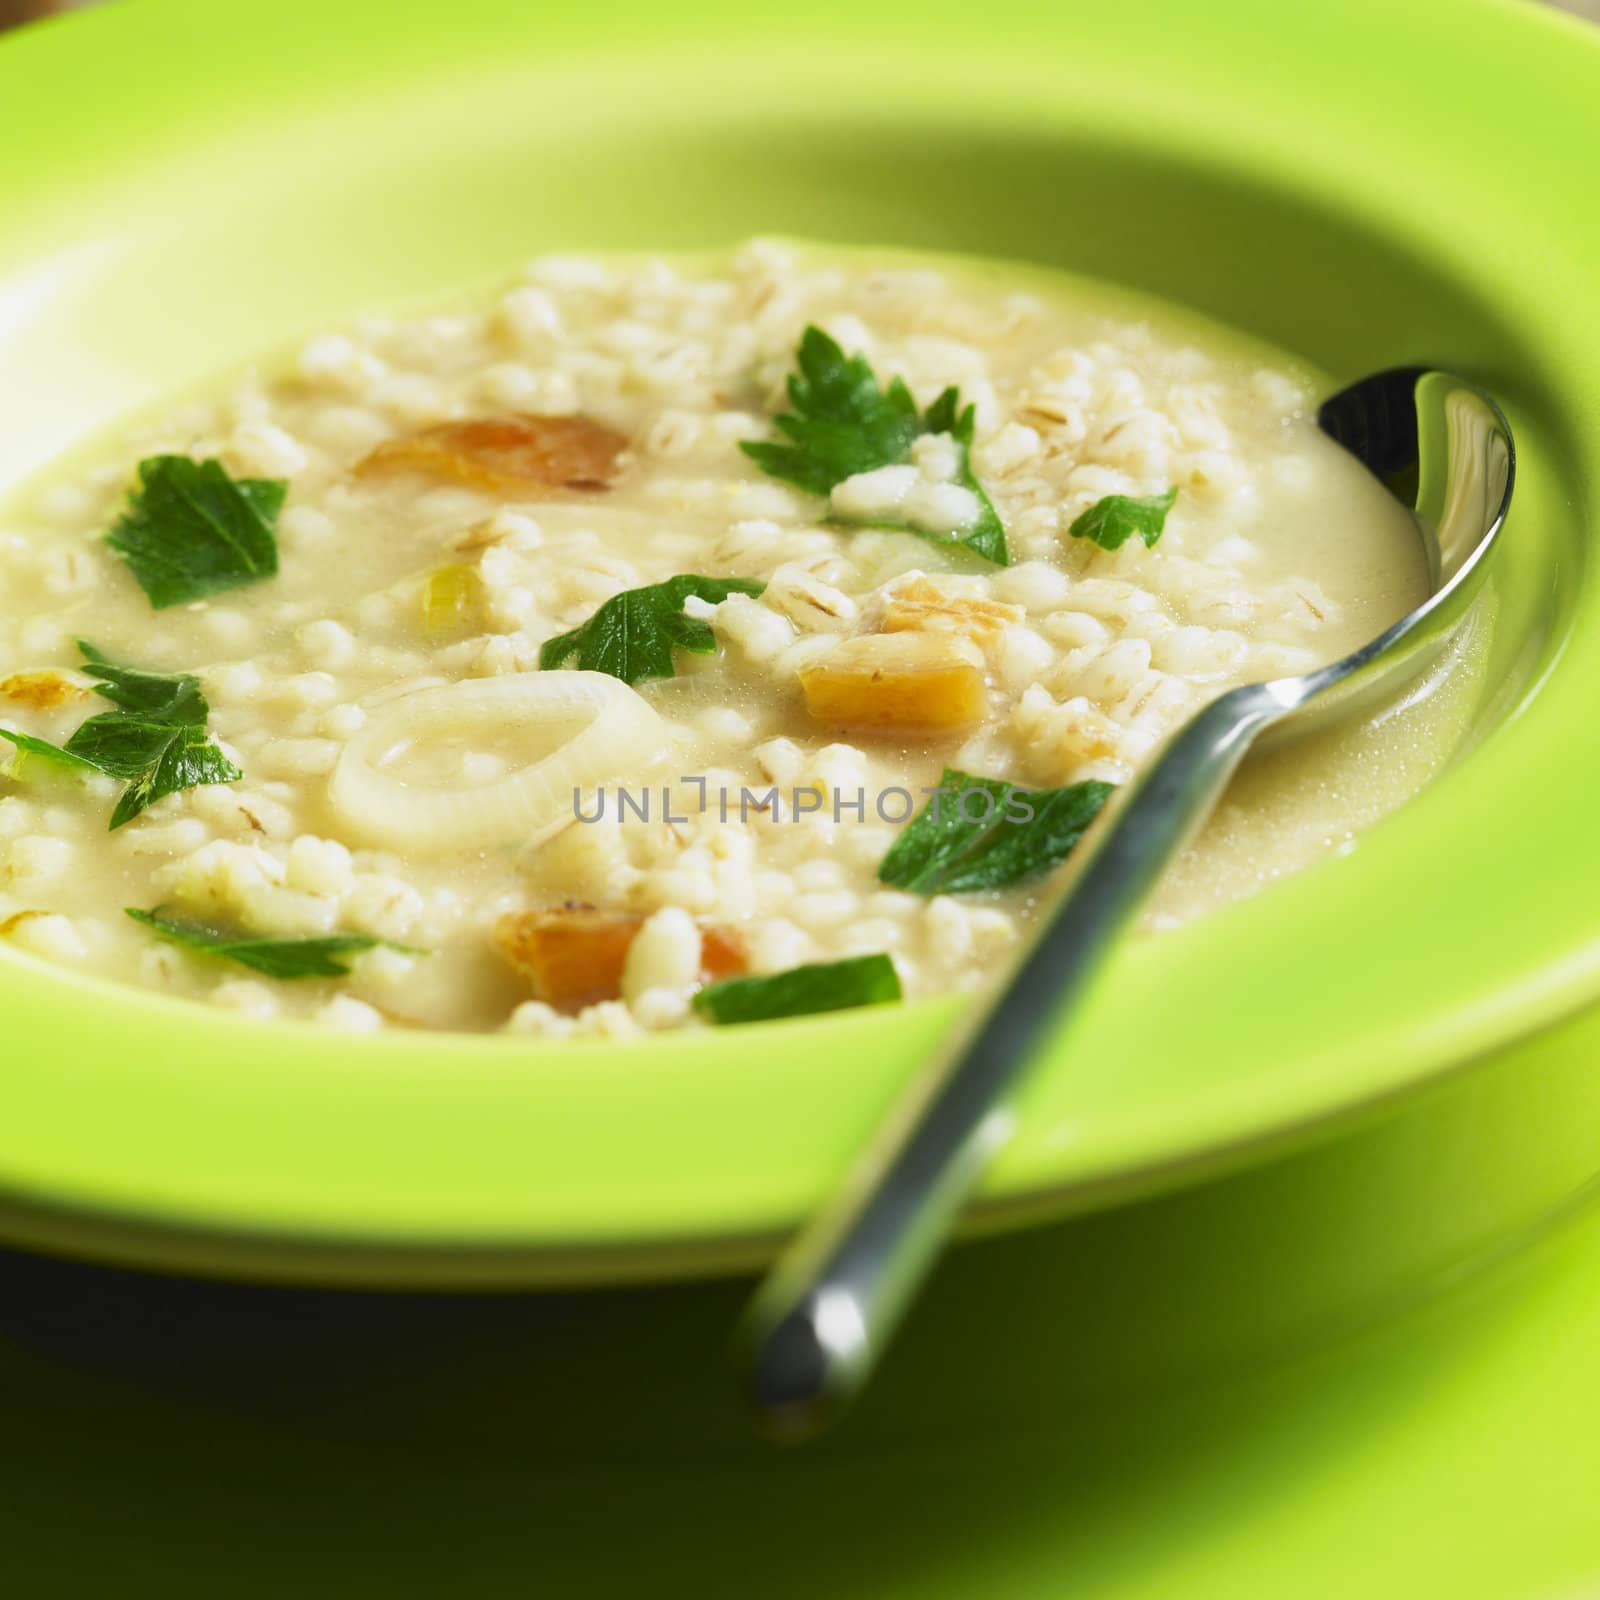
632 636
827 986
160 696
190 530
983 833
277 958
1111 522
844 423
155 739
157 759
27 745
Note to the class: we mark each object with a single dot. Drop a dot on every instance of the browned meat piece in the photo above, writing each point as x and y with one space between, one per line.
508 455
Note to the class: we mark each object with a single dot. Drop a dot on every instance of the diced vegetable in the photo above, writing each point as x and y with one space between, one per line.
722 955
506 455
897 683
43 691
573 956
450 598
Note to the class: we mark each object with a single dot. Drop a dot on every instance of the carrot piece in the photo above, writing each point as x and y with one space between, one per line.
897 683
506 455
573 956
721 955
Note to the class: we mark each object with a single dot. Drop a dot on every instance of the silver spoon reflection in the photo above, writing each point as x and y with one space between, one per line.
819 1323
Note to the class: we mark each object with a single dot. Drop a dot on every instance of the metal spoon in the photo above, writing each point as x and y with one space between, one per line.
820 1322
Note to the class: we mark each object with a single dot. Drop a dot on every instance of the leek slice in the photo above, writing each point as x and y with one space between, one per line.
579 730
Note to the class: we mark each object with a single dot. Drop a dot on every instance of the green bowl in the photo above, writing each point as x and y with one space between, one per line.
181 187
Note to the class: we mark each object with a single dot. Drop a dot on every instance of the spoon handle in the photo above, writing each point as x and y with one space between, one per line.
821 1320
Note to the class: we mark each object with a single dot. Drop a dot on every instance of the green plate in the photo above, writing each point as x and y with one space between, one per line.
1370 184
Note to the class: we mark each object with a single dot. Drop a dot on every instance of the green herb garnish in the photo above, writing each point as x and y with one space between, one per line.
155 739
632 636
1111 522
27 745
191 531
982 833
154 696
843 423
277 958
827 986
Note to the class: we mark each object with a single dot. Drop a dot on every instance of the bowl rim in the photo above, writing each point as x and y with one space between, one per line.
422 1145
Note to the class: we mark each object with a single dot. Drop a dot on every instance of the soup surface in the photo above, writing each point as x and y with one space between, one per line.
502 686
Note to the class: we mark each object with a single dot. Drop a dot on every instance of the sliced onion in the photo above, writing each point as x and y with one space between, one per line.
606 730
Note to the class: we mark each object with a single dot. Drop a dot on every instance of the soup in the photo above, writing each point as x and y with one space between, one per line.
668 644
